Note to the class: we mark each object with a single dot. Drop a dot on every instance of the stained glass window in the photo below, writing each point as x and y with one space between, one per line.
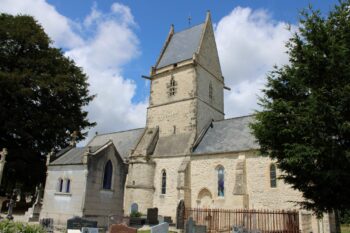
107 178
221 182
273 181
163 182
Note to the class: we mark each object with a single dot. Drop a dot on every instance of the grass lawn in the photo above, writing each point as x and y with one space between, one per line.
345 228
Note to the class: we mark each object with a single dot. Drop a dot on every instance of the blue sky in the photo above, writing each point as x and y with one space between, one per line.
116 42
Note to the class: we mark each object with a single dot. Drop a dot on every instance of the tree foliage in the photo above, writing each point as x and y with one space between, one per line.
305 122
42 96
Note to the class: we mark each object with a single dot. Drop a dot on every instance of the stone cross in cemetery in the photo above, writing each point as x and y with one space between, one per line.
3 154
120 228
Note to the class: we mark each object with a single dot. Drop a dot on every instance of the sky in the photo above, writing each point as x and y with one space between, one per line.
115 42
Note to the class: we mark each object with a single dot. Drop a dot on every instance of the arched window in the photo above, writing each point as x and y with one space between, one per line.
273 181
221 181
163 182
210 91
68 186
60 185
107 177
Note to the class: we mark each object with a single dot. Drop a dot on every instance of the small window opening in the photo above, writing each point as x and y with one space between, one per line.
210 91
172 87
163 182
174 129
68 186
60 185
273 181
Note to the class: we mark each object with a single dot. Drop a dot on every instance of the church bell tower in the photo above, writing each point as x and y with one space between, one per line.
186 96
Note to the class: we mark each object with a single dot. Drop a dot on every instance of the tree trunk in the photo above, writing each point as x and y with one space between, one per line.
337 221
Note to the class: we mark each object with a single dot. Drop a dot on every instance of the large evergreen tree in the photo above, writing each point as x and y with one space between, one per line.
305 122
42 96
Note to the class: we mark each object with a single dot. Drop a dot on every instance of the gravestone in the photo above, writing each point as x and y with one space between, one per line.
167 219
89 230
78 223
134 208
160 228
180 215
152 216
47 224
120 228
189 228
200 229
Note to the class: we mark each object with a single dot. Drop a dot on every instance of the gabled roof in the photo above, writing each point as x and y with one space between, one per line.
182 46
230 135
123 141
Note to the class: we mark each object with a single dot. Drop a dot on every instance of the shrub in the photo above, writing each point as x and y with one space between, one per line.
7 226
135 214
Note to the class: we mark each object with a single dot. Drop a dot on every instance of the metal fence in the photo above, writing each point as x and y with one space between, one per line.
244 220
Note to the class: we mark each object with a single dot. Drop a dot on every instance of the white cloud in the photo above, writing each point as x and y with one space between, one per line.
58 27
111 44
249 43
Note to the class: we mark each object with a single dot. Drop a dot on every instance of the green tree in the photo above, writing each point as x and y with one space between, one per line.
305 122
42 96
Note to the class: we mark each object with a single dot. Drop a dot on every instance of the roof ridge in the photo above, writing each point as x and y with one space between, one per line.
232 118
122 131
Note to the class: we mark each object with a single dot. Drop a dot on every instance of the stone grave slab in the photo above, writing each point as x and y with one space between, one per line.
152 216
120 228
160 228
89 230
77 223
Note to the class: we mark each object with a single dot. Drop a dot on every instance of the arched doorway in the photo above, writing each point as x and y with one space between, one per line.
205 199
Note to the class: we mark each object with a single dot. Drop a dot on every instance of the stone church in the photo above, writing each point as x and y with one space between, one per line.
187 153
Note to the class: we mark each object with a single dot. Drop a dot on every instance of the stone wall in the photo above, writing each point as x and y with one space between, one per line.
99 203
261 195
167 203
60 205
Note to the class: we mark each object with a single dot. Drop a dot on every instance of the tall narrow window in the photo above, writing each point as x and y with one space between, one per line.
210 91
172 87
273 181
107 178
60 185
163 182
221 182
67 185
